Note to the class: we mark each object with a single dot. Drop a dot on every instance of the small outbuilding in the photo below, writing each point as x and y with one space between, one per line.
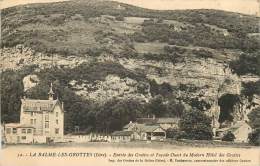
122 136
240 129
17 133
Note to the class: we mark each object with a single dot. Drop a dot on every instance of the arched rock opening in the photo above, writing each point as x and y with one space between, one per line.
227 103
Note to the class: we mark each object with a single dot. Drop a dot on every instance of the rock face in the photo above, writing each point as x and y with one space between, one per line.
113 87
30 81
20 56
205 78
212 78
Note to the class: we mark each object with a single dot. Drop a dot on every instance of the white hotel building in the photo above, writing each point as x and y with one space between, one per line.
41 121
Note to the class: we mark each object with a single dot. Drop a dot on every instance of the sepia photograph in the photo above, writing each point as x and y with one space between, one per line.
130 82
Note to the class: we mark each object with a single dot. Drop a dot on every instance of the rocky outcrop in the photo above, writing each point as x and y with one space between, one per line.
113 87
20 56
30 81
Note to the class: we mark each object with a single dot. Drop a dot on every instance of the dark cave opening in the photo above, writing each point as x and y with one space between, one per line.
227 103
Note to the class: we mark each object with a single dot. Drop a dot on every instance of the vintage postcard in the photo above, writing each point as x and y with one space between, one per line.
130 82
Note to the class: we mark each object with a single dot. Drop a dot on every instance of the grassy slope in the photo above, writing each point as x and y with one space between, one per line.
51 27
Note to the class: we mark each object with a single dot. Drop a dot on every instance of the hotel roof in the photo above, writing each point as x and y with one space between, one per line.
38 105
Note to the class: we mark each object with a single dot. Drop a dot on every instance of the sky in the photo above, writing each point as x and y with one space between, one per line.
242 6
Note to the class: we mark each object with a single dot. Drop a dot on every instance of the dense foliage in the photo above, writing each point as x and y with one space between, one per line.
254 137
254 121
250 89
229 136
11 94
196 125
254 117
247 63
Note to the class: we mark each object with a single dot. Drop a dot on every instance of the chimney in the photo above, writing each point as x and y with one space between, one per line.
153 116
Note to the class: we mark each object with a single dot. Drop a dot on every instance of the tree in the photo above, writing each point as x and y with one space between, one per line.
254 118
229 136
196 125
175 108
250 89
254 121
157 107
174 133
254 137
12 91
114 114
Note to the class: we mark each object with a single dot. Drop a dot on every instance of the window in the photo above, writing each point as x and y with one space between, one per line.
14 130
29 131
24 131
8 130
57 114
31 113
56 131
46 124
57 121
34 130
34 121
47 117
31 121
23 137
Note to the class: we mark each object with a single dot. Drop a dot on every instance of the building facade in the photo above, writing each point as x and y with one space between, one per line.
122 136
17 133
145 132
165 123
240 129
41 121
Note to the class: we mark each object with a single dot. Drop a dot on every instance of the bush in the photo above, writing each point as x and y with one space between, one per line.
120 18
254 137
250 89
202 53
229 136
175 134
171 133
254 118
246 64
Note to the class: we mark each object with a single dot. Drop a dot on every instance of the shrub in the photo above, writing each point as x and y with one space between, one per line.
175 134
229 136
202 53
120 18
254 118
254 137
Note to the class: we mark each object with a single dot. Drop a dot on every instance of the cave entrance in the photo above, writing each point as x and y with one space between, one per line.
227 103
